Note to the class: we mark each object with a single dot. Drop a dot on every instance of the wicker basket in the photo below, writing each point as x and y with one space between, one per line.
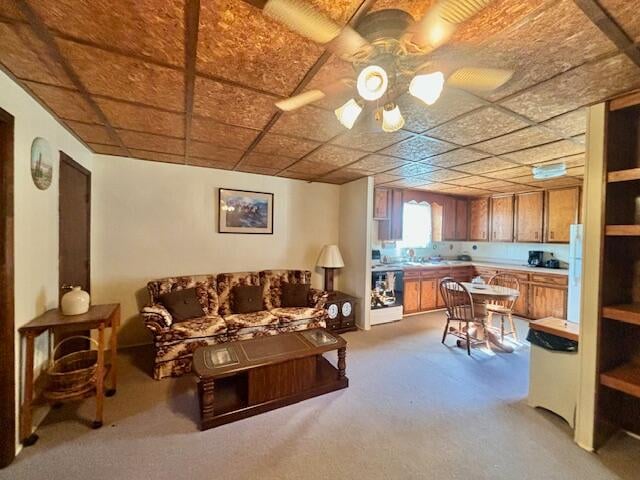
72 373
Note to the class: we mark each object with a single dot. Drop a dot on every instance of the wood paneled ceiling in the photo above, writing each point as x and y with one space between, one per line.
194 82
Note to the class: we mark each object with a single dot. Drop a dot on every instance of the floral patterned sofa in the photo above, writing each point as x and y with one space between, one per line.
175 342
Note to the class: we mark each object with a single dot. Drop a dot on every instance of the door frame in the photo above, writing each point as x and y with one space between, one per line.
7 313
66 159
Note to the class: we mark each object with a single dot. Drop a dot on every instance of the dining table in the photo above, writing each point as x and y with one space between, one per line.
481 295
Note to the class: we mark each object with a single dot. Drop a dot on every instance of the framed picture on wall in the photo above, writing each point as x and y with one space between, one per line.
241 211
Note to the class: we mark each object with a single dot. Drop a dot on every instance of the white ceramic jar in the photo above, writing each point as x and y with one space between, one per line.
75 302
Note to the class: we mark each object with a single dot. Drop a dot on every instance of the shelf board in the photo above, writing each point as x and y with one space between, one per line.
625 378
628 313
624 175
622 230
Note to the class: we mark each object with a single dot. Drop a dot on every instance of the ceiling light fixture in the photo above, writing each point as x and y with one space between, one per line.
372 82
391 118
348 113
545 172
427 87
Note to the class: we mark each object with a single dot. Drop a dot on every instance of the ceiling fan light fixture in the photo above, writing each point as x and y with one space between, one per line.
392 119
348 113
545 172
427 87
372 82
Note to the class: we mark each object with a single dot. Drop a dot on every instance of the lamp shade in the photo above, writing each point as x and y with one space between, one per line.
330 257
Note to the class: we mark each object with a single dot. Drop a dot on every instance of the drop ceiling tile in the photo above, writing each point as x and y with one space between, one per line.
150 142
27 57
267 161
157 157
408 182
309 167
466 181
298 175
484 166
514 188
210 151
527 137
509 173
334 156
420 117
542 153
575 171
231 104
10 11
334 70
570 161
210 163
415 9
455 157
344 175
444 175
557 37
207 130
153 28
238 43
257 169
557 182
144 119
377 163
364 138
418 148
590 83
310 123
625 13
91 133
108 149
117 76
480 125
431 187
66 104
492 184
293 147
384 178
467 191
412 170
569 124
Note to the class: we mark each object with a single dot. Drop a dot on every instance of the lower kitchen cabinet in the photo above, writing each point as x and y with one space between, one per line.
411 294
428 294
521 307
546 301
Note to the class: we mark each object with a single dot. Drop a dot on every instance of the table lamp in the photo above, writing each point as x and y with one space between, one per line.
329 259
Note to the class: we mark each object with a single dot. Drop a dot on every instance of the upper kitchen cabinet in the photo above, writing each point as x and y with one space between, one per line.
449 205
381 205
479 219
529 217
502 218
562 210
391 228
461 219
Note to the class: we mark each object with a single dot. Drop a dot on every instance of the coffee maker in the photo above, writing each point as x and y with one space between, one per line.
535 258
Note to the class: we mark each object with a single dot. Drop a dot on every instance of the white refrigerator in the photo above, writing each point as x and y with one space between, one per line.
575 273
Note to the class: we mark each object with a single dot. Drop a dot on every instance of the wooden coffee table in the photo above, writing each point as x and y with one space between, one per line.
244 378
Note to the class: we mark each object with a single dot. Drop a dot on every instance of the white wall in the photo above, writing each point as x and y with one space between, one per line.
153 220
36 211
356 213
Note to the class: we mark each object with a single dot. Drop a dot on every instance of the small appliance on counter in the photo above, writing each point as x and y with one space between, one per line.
376 258
552 263
464 257
535 258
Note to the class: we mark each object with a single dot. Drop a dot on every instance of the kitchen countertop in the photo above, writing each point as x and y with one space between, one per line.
460 263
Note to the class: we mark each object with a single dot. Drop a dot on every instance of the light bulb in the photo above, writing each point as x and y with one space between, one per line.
372 82
348 113
427 87
391 118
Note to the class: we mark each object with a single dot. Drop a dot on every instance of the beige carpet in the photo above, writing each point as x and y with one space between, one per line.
415 409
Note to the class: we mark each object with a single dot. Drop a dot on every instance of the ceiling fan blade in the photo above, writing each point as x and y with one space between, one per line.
302 18
441 21
479 79
334 89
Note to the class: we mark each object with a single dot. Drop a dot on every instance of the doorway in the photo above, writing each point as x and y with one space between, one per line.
7 327
74 234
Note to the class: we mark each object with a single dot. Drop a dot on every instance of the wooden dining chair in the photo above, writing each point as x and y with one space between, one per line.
460 309
503 308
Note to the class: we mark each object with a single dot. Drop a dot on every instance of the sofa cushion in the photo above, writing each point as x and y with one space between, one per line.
183 304
247 298
272 281
292 314
295 295
206 292
198 327
225 283
255 319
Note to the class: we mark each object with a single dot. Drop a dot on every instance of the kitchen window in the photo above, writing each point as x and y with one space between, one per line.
416 225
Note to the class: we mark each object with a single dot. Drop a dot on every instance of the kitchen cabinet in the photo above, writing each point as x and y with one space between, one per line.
529 217
502 218
411 294
391 229
461 219
428 294
381 205
448 218
479 219
546 301
562 210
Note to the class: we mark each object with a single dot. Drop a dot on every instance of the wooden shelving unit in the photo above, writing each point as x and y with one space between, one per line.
618 393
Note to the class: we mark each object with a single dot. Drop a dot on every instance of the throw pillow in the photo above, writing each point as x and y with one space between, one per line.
295 295
247 298
182 304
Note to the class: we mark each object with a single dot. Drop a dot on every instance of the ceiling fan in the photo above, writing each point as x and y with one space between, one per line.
390 54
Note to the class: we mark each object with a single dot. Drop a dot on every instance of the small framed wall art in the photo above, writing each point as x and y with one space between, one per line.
241 211
41 163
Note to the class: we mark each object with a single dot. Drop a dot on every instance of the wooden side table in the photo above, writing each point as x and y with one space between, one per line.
98 317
